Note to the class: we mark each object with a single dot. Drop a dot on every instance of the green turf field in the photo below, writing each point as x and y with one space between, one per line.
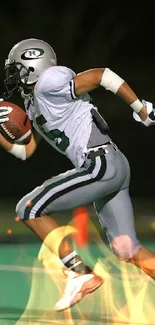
28 293
30 287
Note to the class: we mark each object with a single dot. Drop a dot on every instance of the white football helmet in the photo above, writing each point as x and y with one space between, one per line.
26 61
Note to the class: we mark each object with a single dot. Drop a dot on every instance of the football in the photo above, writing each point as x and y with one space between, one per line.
18 129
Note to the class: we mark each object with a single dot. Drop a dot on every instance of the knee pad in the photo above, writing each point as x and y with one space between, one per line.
123 247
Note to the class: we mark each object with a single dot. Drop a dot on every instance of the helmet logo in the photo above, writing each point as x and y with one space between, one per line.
32 54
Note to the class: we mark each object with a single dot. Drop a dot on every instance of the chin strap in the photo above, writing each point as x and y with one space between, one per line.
25 95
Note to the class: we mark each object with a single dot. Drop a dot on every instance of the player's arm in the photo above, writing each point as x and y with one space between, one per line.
21 151
33 144
89 80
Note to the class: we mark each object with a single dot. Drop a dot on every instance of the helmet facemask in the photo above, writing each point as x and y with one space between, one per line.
16 78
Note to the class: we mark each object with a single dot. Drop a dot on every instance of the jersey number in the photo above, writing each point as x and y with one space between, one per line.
58 137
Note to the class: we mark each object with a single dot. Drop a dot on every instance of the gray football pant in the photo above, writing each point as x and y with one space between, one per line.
103 181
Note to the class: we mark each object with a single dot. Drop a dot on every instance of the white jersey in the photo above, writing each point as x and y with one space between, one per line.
61 118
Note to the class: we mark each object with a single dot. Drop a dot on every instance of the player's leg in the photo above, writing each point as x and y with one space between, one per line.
63 192
116 214
42 227
81 279
59 189
75 188
70 190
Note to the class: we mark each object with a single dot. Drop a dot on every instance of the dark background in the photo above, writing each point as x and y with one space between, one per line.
87 34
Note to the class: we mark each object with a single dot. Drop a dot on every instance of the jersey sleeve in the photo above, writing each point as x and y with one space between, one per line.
58 82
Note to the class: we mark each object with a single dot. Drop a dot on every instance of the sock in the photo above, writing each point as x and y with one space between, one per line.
74 263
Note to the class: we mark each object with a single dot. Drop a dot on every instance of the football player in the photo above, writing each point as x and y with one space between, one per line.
58 103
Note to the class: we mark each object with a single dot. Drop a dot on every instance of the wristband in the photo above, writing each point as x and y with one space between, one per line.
18 151
137 105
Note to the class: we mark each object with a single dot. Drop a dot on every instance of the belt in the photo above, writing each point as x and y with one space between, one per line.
101 150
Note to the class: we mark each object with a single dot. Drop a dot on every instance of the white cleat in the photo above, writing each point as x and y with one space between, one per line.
76 288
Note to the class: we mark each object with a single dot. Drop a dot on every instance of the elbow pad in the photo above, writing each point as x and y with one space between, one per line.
19 151
111 81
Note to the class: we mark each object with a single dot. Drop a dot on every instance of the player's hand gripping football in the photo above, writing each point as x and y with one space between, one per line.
150 120
4 112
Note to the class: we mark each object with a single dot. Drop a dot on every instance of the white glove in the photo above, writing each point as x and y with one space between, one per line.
151 114
4 111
